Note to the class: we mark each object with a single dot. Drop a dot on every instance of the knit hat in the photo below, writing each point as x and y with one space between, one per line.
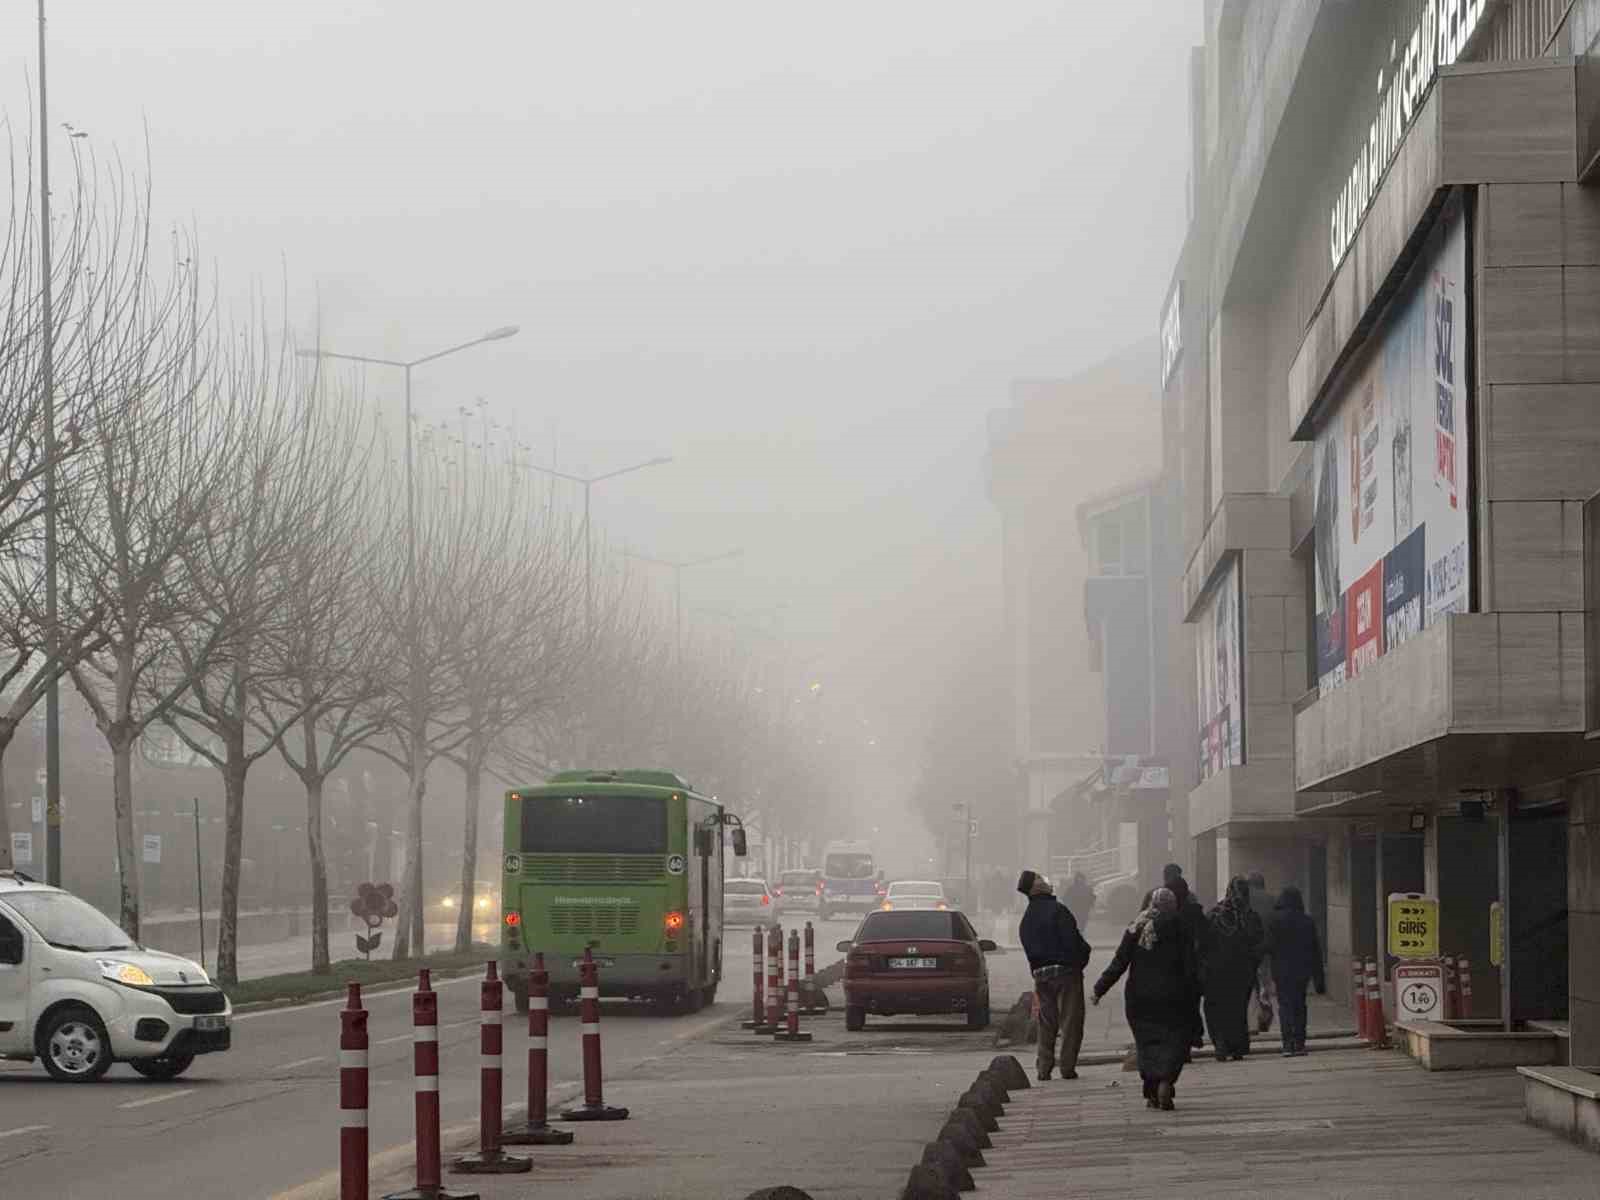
1025 882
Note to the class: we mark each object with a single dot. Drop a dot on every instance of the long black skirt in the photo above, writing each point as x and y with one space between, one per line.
1161 1049
1228 1012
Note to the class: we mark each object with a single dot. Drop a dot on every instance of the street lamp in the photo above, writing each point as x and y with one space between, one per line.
678 568
415 704
588 482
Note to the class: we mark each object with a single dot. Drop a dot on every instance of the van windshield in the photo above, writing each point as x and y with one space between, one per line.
67 922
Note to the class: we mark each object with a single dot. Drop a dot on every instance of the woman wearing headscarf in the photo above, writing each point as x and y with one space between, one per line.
1160 962
1232 954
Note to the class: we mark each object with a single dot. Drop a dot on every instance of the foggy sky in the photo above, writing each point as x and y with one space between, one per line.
803 248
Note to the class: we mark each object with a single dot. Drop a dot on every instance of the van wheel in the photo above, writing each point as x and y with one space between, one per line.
519 999
167 1067
74 1046
855 1017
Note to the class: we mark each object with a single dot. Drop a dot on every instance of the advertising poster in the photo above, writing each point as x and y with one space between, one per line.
1219 671
1390 461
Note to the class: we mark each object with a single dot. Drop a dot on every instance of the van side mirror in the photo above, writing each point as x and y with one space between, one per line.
740 846
844 946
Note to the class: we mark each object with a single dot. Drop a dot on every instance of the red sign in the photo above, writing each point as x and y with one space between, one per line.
1364 616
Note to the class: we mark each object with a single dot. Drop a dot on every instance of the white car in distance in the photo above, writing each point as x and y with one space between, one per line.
913 894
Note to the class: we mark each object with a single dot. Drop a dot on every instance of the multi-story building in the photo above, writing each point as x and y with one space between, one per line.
1382 408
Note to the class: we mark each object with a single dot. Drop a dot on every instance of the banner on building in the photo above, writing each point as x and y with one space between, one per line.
1219 672
1390 461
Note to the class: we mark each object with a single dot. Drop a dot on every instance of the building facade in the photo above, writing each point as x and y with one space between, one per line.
1382 411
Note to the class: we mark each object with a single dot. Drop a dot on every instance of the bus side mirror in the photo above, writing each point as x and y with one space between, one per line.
739 844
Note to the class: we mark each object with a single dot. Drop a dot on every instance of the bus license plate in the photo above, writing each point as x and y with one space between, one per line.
914 964
210 1023
599 962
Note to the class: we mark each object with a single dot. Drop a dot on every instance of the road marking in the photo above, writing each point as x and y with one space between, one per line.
161 1099
300 1062
399 1037
18 1132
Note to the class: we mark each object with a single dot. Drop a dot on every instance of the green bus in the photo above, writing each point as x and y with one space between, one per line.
626 864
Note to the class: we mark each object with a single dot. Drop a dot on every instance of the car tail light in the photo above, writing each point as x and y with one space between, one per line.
777 891
819 887
673 922
766 899
887 906
943 907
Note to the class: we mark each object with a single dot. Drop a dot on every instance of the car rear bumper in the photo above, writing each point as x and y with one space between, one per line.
927 995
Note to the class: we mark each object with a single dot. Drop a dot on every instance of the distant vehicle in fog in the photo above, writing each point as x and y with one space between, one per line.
746 902
798 891
914 894
851 881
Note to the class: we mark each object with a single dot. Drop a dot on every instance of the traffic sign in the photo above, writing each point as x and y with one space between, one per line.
1413 925
1419 990
152 848
22 849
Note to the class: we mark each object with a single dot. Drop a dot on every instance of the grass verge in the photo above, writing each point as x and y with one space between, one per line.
304 985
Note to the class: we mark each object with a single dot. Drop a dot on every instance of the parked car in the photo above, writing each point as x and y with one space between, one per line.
746 902
914 894
76 992
798 891
915 961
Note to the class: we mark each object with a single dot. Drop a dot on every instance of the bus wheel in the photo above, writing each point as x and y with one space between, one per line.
688 1001
519 998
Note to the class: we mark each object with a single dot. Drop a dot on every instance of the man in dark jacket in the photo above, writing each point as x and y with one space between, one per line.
1296 961
1057 954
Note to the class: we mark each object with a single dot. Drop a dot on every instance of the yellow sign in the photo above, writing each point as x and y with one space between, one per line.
1413 925
1497 934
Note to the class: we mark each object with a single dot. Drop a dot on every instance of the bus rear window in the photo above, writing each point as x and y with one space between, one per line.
594 825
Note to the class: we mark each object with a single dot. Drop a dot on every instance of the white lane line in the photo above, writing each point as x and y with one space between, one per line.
20 1130
161 1099
399 1037
301 1062
403 989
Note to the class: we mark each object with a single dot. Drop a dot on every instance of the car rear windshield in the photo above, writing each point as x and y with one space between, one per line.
921 923
743 887
594 825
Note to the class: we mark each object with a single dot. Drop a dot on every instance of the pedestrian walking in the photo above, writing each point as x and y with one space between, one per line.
1192 917
1158 957
1080 899
1228 971
1266 994
1057 955
1296 961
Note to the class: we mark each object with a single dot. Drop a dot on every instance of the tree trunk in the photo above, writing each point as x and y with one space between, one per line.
7 729
233 777
122 808
319 874
469 850
408 934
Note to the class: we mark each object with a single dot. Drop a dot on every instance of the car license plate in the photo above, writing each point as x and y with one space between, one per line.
210 1023
914 964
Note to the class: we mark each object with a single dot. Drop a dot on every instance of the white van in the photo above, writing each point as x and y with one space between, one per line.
75 992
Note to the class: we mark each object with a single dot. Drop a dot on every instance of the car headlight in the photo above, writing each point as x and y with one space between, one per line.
449 901
483 902
125 972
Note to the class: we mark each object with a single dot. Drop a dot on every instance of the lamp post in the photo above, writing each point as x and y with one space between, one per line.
588 482
414 705
678 568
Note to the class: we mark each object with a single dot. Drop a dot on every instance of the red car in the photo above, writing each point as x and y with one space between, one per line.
915 961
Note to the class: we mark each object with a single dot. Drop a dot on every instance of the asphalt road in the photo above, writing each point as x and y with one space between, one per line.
262 1118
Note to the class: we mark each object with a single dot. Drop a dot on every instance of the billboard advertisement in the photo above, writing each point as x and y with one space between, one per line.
1390 467
1219 670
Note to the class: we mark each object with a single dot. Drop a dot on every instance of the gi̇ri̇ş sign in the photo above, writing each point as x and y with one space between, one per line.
1413 925
1390 471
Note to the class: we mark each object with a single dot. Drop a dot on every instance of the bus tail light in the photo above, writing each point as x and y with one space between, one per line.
673 923
513 919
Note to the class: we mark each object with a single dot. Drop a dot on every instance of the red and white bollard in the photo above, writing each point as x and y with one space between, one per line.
774 1020
1358 996
791 1031
757 1017
490 1160
425 1065
814 1000
353 1098
1380 1026
594 1106
1464 985
1451 1009
538 1131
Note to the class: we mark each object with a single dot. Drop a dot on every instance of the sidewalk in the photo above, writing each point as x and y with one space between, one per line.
1336 1124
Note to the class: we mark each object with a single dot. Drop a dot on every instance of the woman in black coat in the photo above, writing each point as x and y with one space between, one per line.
1160 995
1232 954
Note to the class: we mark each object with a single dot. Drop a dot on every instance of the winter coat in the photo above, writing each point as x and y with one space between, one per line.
1293 943
1162 980
1050 937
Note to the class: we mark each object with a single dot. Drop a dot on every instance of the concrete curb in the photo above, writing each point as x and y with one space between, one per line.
338 991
